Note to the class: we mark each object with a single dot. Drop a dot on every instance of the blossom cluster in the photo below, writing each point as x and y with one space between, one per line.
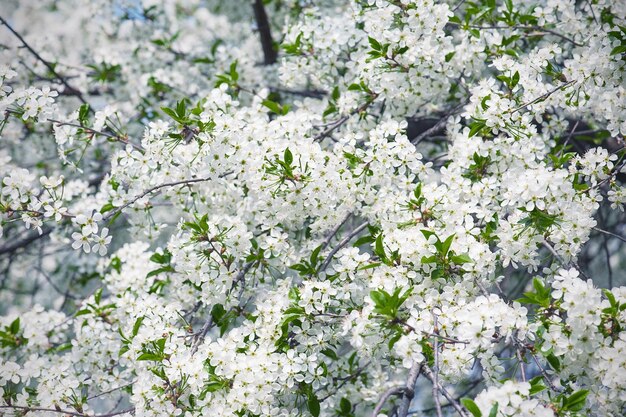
377 207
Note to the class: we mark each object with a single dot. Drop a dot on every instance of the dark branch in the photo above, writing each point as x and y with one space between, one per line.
70 90
269 53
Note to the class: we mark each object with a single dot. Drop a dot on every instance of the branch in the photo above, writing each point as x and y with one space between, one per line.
335 231
385 397
518 27
436 369
564 264
269 53
334 125
437 126
209 322
118 138
409 390
63 81
151 190
341 244
24 242
67 412
623 239
429 374
542 97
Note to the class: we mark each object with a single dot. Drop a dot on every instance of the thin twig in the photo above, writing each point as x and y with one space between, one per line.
153 189
518 27
429 374
383 399
436 369
334 231
24 242
70 89
437 126
554 253
341 244
606 232
542 97
67 412
334 125
521 362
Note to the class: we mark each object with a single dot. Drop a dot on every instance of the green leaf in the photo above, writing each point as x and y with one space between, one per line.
147 356
476 127
98 295
331 354
618 50
379 248
287 156
554 362
445 245
374 44
515 79
137 325
234 75
536 385
314 404
315 255
576 401
14 327
273 106
494 410
471 407
464 258
83 113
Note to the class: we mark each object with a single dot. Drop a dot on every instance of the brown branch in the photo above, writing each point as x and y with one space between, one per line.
151 190
542 97
518 27
24 242
265 33
67 412
334 125
341 244
436 369
437 126
429 374
386 395
409 390
71 90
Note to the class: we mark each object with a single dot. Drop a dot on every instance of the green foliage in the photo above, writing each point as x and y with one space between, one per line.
284 170
162 259
471 406
105 73
540 296
153 351
276 108
387 304
536 385
127 340
223 318
97 308
230 78
574 402
539 220
619 34
294 48
447 261
10 335
310 266
477 170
